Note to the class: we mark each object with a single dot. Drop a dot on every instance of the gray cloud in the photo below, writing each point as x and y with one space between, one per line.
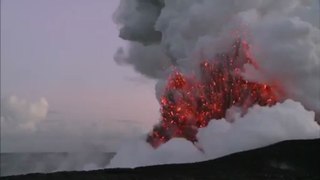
148 60
137 19
283 35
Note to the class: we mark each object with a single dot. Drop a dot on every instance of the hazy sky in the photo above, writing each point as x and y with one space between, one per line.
62 51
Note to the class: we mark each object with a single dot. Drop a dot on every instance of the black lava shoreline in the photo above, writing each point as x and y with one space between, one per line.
296 159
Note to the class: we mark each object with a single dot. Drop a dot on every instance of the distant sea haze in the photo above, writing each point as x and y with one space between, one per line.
24 163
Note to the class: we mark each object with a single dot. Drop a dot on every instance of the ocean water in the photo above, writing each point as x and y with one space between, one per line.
25 163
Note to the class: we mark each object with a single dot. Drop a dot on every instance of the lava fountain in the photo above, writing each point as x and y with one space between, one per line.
189 102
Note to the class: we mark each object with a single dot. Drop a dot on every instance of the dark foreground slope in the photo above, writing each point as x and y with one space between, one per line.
299 159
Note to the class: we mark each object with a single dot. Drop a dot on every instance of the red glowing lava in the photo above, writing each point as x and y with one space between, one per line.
190 102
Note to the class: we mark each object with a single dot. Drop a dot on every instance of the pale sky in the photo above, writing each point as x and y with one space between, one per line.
63 51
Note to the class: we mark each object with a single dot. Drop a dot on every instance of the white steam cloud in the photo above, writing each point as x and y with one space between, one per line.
18 114
284 38
261 126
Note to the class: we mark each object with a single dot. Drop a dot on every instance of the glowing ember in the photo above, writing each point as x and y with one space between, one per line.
191 102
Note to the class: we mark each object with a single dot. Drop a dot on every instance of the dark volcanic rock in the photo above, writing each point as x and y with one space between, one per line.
298 159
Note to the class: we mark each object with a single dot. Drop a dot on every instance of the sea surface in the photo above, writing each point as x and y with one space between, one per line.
24 163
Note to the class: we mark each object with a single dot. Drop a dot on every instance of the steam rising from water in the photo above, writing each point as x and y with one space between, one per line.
284 37
260 127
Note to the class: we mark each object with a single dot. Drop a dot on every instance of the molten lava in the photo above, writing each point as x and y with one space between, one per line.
190 102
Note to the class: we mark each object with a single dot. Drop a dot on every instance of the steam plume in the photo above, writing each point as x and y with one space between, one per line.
284 36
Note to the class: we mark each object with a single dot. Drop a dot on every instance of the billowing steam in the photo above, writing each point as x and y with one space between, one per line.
284 36
166 36
260 127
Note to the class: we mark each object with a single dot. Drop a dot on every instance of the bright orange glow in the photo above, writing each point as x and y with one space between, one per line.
189 102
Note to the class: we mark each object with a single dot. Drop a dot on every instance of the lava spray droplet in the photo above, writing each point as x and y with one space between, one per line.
189 102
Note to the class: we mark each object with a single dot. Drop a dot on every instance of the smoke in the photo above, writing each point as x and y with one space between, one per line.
261 126
284 37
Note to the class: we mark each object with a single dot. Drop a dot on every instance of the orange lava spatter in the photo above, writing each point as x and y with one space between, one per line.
190 102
